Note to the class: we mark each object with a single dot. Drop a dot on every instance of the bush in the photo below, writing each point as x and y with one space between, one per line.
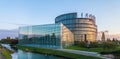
110 45
95 45
92 44
82 44
110 52
104 45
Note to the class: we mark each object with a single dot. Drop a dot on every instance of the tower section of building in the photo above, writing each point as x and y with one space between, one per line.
84 28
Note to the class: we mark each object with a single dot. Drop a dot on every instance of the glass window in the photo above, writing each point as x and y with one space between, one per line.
47 36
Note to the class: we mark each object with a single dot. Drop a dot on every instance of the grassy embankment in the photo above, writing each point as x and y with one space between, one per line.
6 53
56 53
99 50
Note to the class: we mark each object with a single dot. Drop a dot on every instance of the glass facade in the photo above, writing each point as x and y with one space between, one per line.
79 26
68 20
68 28
67 37
46 36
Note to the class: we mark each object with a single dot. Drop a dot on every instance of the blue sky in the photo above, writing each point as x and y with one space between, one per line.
14 13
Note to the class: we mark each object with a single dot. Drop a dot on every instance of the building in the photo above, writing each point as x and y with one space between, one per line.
46 36
83 28
67 30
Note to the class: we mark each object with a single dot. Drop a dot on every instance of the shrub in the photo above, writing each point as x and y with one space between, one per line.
82 44
110 45
95 45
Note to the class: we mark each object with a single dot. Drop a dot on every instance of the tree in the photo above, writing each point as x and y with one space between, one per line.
108 40
8 38
110 45
113 40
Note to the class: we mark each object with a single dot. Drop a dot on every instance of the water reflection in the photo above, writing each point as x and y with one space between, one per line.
20 54
14 55
29 55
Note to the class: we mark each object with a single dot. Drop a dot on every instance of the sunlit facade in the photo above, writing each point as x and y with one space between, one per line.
83 28
46 36
67 30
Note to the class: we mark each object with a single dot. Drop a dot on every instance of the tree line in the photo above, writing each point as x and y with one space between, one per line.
9 40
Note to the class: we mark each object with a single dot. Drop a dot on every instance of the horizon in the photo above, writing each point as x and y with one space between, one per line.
29 12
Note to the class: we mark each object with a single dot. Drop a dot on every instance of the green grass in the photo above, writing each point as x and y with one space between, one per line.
118 48
6 53
0 46
92 49
85 49
56 53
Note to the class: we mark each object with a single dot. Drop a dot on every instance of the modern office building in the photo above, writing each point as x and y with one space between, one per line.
46 36
84 28
67 30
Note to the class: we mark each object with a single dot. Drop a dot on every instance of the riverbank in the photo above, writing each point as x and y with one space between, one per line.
5 53
108 53
58 53
98 50
1 56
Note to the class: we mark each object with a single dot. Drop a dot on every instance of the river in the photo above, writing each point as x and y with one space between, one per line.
20 54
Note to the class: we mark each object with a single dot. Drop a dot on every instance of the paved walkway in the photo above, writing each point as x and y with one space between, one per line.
1 56
95 54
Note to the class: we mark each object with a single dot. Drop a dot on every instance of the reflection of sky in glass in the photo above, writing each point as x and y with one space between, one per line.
23 30
66 16
41 29
45 29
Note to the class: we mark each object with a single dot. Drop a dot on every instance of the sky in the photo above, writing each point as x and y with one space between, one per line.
16 13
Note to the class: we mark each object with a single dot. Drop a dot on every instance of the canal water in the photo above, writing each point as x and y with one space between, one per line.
20 54
30 55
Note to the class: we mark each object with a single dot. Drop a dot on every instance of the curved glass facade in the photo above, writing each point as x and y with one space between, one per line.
79 26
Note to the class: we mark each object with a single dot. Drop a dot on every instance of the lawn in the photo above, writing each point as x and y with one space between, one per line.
56 53
6 53
92 49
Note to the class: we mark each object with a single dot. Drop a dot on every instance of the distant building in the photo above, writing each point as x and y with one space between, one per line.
67 30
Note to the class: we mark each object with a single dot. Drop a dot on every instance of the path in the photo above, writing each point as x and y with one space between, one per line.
1 56
94 54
